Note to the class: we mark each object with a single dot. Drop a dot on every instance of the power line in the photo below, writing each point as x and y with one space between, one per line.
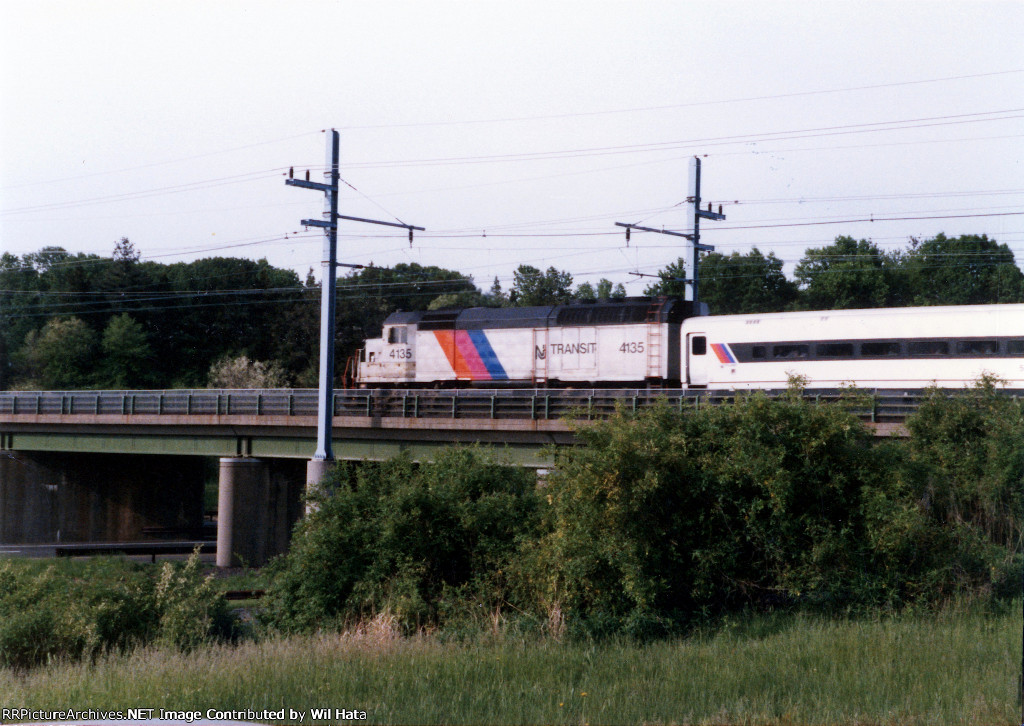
142 194
160 163
899 125
795 94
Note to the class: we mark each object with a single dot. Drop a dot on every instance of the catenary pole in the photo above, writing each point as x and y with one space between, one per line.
694 280
324 453
328 291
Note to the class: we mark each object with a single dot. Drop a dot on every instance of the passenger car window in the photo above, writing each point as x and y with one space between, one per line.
929 347
977 347
880 348
834 350
790 351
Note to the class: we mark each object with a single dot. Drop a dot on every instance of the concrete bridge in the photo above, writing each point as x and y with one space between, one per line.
86 466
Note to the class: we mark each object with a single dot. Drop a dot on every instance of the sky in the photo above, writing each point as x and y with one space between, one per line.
514 132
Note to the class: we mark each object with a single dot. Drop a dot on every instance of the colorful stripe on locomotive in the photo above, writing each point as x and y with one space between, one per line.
470 355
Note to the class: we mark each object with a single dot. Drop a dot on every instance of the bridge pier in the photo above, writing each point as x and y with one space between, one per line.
62 497
258 501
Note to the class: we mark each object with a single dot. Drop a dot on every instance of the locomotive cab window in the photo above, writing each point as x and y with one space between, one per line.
977 347
398 334
698 345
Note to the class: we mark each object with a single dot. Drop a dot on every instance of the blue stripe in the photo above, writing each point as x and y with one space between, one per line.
487 355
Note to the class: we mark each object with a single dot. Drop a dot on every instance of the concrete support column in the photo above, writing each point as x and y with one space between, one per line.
316 472
242 503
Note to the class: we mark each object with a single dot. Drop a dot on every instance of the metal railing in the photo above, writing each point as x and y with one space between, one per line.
875 405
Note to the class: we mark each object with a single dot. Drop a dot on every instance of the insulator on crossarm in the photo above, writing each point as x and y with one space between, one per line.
307 174
291 172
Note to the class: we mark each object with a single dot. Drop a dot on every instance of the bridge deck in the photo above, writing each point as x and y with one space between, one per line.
367 423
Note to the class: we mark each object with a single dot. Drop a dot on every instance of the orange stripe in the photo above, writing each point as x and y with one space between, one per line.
446 339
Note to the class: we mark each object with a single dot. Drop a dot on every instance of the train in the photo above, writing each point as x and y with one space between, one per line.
674 343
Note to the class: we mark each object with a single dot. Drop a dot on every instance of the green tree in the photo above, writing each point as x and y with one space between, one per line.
496 297
585 292
533 287
607 291
19 301
127 355
966 270
457 300
221 305
846 274
747 283
60 356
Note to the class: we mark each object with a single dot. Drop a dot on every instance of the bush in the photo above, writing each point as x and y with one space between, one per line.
663 519
427 543
948 524
663 516
80 610
191 611
50 614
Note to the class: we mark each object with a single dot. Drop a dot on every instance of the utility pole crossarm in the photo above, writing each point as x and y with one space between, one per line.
311 185
375 221
694 237
651 229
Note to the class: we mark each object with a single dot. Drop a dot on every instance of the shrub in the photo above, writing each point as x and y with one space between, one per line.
191 610
948 524
426 543
52 614
662 516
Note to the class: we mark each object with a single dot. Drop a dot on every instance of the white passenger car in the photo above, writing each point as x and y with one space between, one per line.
880 348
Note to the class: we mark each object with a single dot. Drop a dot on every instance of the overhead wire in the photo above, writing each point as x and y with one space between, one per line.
870 127
145 193
676 106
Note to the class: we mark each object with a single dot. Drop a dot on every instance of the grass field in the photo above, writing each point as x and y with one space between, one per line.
936 669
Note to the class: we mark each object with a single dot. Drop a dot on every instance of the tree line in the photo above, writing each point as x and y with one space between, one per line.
73 321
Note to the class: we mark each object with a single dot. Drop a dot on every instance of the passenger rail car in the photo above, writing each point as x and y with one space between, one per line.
633 342
878 348
665 342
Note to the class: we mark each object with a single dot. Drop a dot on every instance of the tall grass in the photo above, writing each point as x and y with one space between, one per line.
937 669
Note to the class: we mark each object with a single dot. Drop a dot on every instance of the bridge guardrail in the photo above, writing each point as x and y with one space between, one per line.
875 405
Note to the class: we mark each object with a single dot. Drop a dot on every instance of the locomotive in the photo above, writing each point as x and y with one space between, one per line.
672 343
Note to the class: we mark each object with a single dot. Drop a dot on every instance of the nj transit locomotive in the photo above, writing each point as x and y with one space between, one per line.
667 343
